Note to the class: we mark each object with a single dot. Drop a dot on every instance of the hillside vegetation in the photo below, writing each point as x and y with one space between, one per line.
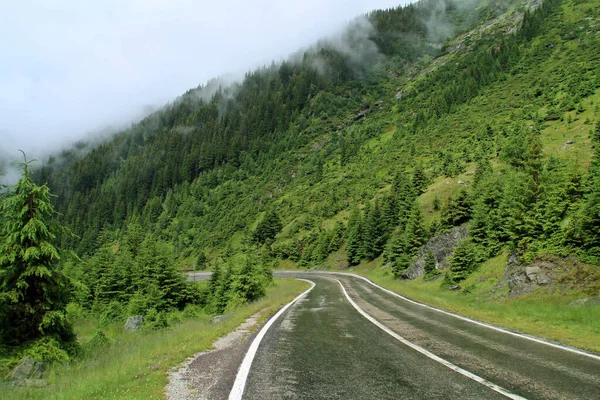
414 121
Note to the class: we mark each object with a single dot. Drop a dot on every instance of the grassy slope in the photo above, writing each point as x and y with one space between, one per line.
136 366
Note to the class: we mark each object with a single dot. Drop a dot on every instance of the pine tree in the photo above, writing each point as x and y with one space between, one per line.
268 227
457 211
33 291
590 216
373 233
415 233
354 238
464 260
420 181
429 264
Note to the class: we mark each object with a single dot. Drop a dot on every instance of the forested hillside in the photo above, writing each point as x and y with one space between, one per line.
415 120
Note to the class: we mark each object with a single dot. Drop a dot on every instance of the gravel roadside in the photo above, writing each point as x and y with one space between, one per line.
210 375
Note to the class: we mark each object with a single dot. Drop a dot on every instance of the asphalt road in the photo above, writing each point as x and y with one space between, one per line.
348 339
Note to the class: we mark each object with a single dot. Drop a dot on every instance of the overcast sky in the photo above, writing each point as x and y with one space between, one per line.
71 67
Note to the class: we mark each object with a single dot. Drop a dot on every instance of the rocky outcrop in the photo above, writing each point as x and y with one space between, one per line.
524 279
28 373
442 246
134 323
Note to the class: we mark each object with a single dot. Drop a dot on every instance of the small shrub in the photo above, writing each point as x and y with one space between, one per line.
47 349
113 313
155 320
98 341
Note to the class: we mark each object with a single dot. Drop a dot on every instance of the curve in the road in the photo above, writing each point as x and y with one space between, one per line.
497 328
240 380
432 356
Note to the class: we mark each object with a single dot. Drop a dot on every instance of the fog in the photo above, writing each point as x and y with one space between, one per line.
71 70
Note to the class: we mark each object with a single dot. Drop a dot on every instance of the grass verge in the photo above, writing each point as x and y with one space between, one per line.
136 365
541 313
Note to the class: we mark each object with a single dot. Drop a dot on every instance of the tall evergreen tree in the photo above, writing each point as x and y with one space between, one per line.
355 237
415 233
33 291
373 233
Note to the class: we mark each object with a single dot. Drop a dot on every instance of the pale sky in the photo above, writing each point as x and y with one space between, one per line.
71 67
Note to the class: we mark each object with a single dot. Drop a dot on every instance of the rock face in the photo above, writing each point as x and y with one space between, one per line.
134 323
28 369
521 279
442 246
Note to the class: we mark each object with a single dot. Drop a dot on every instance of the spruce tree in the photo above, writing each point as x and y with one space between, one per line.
420 181
429 263
33 291
464 260
373 233
415 233
354 238
457 211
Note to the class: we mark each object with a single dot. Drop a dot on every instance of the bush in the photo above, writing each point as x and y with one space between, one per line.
75 311
155 320
47 349
97 341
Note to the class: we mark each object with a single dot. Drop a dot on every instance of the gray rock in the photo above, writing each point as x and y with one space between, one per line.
532 273
521 279
543 279
29 383
590 301
218 318
28 369
442 247
134 323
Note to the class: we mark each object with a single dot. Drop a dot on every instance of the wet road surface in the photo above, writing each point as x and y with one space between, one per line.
322 347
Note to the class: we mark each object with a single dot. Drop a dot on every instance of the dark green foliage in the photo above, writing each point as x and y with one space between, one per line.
373 232
429 263
33 291
244 280
457 211
420 180
415 234
200 261
464 260
354 240
267 228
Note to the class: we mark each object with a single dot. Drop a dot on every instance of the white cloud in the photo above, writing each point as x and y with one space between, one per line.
71 67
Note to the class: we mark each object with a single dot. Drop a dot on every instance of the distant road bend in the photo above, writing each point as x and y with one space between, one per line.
348 338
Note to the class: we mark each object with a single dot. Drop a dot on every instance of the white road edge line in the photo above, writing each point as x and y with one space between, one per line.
421 350
240 380
474 321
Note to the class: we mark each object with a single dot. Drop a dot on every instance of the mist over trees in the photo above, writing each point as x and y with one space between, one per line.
359 150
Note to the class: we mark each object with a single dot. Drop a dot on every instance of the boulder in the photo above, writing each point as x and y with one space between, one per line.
134 323
28 369
532 273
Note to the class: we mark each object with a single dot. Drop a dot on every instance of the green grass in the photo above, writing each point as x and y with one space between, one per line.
542 313
136 366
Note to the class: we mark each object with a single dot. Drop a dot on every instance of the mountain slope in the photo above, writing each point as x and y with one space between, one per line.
386 115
